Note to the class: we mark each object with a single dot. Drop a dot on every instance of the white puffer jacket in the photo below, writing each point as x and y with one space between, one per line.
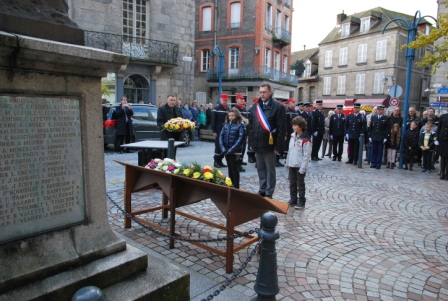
299 152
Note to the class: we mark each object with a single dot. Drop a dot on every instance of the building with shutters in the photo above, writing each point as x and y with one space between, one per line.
254 38
158 37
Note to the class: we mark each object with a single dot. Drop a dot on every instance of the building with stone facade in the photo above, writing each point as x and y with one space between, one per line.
438 86
308 59
358 63
254 40
158 37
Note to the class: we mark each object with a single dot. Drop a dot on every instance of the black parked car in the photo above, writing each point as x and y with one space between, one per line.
144 123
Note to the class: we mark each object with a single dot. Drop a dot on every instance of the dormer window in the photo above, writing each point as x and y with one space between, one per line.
365 24
345 30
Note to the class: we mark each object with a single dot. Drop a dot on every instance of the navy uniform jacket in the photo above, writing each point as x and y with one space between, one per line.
309 122
355 125
379 128
219 114
290 114
319 122
337 125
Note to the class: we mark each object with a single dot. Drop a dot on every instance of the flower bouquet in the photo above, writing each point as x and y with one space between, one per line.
194 171
178 124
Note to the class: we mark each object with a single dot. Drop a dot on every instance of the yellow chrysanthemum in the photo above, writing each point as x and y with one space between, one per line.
228 182
208 175
196 175
187 172
176 126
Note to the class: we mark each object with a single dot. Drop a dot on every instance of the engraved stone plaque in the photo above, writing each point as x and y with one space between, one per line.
41 167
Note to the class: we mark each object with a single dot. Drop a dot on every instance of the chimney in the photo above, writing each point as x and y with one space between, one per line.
340 18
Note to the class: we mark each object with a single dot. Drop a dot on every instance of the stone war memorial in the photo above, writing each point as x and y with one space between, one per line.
54 233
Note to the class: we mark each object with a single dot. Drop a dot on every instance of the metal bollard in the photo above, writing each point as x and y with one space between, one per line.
170 153
266 285
361 150
89 293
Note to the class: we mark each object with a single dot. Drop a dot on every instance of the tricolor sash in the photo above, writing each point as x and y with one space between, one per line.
265 124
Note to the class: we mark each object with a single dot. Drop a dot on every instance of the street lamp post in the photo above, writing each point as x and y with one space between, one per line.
221 60
410 54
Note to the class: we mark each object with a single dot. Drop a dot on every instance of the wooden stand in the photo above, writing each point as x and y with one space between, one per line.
236 205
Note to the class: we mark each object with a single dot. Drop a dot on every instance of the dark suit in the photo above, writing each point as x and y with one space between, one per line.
165 113
337 131
378 131
125 129
309 122
355 125
290 114
319 127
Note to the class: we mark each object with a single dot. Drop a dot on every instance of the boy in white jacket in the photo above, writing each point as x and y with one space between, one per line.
299 154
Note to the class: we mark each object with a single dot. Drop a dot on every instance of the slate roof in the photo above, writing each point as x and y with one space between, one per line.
383 15
305 54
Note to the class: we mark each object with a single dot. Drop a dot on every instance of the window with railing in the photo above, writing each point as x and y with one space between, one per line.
233 61
205 60
134 21
360 83
362 53
235 15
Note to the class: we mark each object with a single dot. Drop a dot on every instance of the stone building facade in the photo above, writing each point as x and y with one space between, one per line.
260 31
157 35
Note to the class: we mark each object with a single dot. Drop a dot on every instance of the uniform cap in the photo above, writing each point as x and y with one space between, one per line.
300 104
224 97
319 102
306 104
380 107
239 95
339 106
357 105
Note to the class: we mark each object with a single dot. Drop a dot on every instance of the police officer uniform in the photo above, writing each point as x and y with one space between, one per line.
319 130
309 119
290 114
379 131
337 131
355 125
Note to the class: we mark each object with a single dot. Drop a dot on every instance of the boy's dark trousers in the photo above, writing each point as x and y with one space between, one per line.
297 182
427 159
234 173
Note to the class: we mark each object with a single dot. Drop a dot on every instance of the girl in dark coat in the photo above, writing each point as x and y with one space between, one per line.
411 148
231 139
392 145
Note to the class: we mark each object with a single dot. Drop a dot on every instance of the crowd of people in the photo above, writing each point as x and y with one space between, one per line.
274 129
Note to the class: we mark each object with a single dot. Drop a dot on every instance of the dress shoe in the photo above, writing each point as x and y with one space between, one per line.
241 169
217 165
292 202
262 193
339 159
278 164
328 155
318 158
349 162
372 166
250 160
314 159
378 167
334 159
222 164
243 163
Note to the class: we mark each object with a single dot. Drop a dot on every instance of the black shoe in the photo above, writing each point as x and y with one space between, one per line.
392 165
349 162
291 202
405 167
250 160
318 158
388 165
217 165
278 164
410 168
372 166
355 163
314 159
339 159
334 159
222 164
328 155
243 163
378 167
241 169
300 206
263 194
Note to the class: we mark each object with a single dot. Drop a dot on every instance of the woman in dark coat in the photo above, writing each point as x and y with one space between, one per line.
411 148
125 130
231 139
442 142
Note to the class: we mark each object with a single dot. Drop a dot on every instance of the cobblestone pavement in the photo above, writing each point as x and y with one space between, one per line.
365 234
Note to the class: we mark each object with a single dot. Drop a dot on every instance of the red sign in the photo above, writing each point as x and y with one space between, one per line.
394 101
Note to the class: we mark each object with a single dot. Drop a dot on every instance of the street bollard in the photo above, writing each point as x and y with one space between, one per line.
170 153
266 285
361 150
89 293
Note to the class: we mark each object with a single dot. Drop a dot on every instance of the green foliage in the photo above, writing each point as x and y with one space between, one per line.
105 89
440 53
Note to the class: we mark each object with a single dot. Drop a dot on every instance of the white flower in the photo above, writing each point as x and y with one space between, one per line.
165 167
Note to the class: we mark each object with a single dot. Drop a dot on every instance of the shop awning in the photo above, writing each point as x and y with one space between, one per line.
371 102
331 103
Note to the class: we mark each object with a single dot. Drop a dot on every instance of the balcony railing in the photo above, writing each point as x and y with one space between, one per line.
281 36
253 73
137 49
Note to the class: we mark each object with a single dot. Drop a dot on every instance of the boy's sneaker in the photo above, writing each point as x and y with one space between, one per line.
300 206
423 170
428 171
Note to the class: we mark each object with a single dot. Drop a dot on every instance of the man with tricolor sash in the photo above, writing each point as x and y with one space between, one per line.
267 137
